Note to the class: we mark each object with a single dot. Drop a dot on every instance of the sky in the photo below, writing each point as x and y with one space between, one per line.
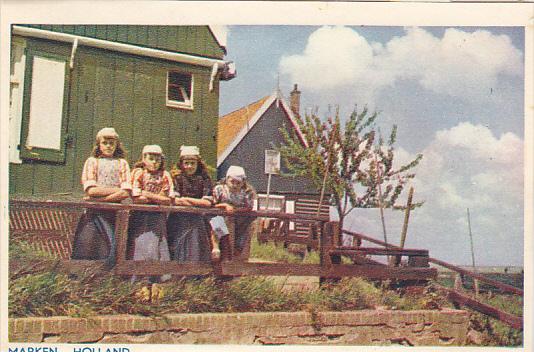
456 95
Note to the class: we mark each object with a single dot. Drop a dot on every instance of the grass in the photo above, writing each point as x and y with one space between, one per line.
47 292
40 290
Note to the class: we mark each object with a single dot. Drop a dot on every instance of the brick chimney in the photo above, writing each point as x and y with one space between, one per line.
294 100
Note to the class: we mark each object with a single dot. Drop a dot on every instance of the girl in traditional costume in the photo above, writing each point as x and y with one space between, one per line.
151 184
105 178
235 194
189 233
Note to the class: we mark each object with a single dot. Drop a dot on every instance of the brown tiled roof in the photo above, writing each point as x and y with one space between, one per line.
232 123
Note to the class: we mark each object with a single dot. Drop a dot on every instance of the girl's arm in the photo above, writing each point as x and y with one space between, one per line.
155 198
195 202
106 194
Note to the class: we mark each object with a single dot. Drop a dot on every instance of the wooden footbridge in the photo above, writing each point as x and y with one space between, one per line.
50 226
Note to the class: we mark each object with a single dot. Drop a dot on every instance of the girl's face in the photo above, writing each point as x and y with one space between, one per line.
152 161
234 184
107 147
190 166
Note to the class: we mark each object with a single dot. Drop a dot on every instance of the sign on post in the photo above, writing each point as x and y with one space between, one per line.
272 166
272 162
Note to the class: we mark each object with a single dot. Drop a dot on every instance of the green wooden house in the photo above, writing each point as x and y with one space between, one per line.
153 84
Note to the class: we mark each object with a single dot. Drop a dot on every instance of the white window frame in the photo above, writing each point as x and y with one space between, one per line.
16 97
271 197
188 103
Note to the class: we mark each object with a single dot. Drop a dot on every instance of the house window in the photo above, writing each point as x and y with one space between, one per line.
179 90
45 107
276 202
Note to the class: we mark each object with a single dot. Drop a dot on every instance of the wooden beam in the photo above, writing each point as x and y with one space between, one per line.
380 251
510 319
370 239
70 205
502 286
131 267
334 271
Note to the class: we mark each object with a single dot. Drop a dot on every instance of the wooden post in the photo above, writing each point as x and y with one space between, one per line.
475 281
121 233
405 224
326 244
380 206
328 162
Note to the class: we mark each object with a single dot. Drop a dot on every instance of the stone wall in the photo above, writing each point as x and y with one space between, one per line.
367 327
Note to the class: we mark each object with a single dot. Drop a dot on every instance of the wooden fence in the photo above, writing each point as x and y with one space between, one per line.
37 225
458 297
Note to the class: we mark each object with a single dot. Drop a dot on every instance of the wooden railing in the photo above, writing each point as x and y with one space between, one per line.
325 232
457 296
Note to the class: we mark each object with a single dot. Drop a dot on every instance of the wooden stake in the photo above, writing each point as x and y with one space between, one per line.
406 219
475 281
380 206
327 170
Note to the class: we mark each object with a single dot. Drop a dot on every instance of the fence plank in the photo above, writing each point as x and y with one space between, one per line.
510 319
121 233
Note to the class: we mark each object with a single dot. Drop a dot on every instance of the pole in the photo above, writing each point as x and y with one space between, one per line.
380 206
327 170
475 281
405 225
268 192
406 218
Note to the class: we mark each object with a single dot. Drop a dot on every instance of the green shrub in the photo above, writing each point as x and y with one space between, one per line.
271 252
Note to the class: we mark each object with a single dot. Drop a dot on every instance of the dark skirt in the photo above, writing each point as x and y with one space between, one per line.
188 236
94 238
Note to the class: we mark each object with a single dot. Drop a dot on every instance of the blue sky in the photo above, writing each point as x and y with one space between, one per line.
456 95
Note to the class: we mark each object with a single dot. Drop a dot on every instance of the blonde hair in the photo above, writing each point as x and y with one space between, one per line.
119 153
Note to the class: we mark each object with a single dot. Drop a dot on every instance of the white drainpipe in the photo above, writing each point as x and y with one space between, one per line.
123 48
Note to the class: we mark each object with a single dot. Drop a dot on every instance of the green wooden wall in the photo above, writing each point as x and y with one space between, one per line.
197 40
128 93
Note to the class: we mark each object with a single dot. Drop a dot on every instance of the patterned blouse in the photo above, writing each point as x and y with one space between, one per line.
195 186
159 182
106 172
241 199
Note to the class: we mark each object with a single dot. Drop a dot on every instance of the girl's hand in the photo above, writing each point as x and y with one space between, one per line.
140 200
182 202
229 208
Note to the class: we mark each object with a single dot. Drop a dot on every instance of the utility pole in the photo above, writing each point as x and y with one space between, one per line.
475 281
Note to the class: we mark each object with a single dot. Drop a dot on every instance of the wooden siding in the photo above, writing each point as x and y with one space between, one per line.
250 154
196 40
128 93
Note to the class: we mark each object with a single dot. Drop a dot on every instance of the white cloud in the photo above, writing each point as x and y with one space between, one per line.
465 166
460 64
332 56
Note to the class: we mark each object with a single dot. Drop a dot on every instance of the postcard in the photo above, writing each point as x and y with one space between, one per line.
260 175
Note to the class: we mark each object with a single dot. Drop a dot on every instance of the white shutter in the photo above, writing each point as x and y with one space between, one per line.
46 103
